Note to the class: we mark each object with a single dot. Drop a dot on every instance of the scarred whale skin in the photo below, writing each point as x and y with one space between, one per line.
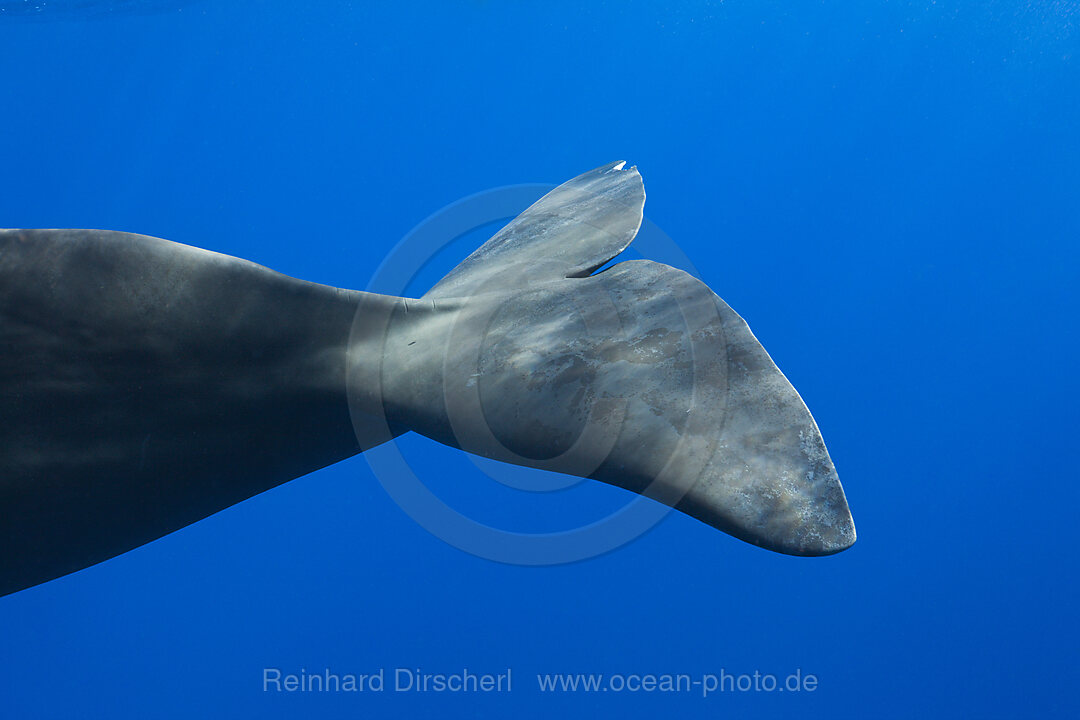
147 384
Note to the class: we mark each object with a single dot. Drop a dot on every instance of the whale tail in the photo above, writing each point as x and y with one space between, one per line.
638 375
147 384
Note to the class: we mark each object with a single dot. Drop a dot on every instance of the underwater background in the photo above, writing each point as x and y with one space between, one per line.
887 191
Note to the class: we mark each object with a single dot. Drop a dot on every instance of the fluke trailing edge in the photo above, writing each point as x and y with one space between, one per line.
146 384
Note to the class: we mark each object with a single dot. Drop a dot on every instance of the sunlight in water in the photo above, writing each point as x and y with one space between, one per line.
86 8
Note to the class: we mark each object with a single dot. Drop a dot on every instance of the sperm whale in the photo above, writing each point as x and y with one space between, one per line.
146 384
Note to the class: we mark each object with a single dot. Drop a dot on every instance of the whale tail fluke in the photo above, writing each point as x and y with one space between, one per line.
638 375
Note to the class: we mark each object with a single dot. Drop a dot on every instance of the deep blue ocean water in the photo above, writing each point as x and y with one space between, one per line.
888 192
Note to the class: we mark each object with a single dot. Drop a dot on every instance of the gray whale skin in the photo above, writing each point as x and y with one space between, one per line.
146 384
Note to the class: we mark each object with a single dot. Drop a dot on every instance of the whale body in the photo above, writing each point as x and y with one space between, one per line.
145 384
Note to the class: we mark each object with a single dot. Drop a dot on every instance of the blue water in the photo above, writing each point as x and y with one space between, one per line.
888 193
